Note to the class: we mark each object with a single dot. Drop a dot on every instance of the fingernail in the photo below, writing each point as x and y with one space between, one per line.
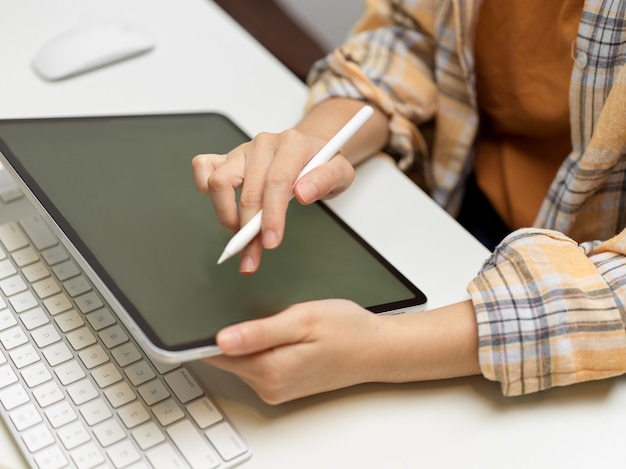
229 340
307 191
270 240
246 265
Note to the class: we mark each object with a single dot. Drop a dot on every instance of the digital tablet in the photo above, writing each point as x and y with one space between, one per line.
119 193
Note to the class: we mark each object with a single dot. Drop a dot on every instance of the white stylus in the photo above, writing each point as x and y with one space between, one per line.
241 239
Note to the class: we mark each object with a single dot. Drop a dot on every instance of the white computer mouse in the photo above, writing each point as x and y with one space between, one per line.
88 48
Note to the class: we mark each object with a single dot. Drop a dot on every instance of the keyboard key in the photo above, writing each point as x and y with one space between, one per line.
7 319
82 392
106 375
25 417
81 338
36 375
108 432
60 414
153 392
45 336
34 318
12 285
51 458
6 269
48 394
12 237
126 354
14 337
13 396
69 372
204 412
57 304
25 256
89 302
69 321
37 438
46 287
77 286
57 354
120 394
7 376
184 385
73 435
123 454
148 435
113 336
38 232
139 373
35 272
24 356
226 441
95 412
196 449
101 319
10 194
165 457
93 356
54 255
87 456
23 301
66 270
167 412
133 414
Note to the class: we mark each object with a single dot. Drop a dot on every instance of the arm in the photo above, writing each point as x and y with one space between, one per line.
324 345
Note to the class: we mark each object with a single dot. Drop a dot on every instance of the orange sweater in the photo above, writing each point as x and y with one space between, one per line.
523 66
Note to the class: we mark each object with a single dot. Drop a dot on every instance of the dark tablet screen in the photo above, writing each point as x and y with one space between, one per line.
121 188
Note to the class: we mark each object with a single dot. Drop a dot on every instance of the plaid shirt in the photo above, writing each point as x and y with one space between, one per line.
550 300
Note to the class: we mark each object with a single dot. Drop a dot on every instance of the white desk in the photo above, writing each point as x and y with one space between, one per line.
204 62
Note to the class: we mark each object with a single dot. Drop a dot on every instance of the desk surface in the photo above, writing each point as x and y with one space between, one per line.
205 62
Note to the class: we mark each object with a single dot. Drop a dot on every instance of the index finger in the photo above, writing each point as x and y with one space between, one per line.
203 166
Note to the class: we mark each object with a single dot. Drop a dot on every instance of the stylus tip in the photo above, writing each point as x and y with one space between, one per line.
225 255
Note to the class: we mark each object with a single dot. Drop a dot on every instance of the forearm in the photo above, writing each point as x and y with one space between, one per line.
436 344
327 117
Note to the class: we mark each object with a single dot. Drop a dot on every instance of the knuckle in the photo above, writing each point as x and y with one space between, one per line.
263 138
250 198
278 178
290 136
218 181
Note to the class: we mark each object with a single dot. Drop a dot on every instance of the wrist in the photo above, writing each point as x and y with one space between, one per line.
429 345
324 119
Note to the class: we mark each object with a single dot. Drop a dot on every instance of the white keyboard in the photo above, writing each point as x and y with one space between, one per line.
76 390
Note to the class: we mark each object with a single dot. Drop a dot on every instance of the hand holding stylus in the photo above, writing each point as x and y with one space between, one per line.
253 227
273 167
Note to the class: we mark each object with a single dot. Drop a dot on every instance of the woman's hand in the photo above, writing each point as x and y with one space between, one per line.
307 349
324 345
266 169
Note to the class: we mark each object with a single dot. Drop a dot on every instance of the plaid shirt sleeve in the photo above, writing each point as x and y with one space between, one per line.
541 326
386 61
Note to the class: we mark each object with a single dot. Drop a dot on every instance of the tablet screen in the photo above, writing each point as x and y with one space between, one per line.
121 189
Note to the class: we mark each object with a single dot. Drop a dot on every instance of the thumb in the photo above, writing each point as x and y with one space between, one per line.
262 334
